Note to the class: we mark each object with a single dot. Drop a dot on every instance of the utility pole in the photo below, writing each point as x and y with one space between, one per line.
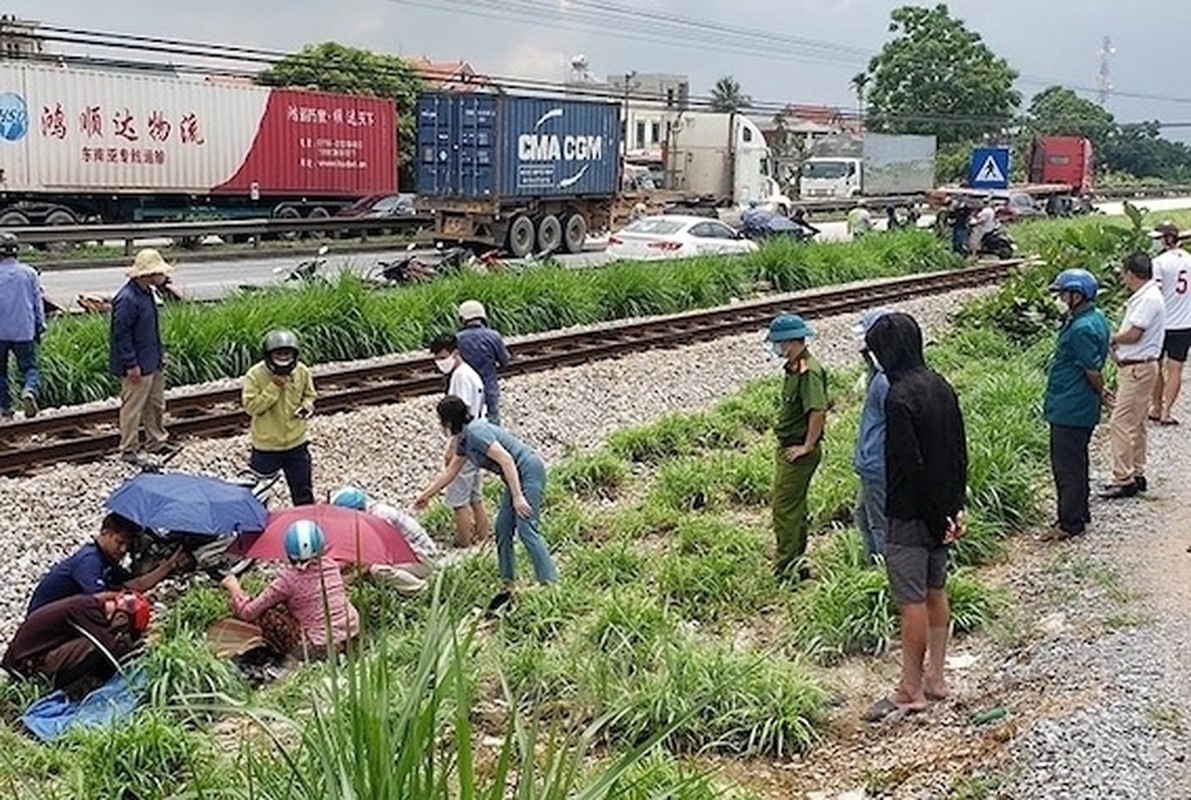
1104 83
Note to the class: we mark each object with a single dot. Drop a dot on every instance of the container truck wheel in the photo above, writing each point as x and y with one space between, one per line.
318 212
288 213
521 236
549 234
13 219
60 216
575 233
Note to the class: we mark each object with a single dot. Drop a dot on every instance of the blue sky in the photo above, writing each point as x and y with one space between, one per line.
1056 41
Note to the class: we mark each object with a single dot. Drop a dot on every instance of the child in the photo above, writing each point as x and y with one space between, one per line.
279 396
312 591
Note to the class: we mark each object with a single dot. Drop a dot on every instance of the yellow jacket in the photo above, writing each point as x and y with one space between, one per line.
276 424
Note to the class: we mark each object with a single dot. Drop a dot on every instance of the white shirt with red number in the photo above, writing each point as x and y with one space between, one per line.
1144 310
1172 272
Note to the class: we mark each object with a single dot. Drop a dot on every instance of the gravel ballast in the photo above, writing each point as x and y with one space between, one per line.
394 450
1130 739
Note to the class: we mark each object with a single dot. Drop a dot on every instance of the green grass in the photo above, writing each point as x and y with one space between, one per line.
343 320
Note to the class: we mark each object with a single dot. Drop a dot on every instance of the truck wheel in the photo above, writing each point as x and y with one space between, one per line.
318 212
549 234
575 233
13 219
521 236
288 213
59 216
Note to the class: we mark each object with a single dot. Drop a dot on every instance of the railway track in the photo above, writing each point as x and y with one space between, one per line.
85 435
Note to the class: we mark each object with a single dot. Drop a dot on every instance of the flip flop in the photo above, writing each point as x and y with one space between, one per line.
1154 418
1168 422
885 709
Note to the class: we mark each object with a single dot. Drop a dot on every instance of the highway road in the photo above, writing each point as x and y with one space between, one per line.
212 279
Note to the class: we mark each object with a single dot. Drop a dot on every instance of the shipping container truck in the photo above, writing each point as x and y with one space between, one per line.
517 172
871 165
710 160
80 144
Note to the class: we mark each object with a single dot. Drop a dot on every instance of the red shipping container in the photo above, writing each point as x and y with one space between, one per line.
88 131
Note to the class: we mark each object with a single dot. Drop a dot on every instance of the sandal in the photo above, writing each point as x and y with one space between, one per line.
1155 418
1168 422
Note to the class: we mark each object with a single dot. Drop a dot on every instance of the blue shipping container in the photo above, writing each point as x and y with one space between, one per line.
487 147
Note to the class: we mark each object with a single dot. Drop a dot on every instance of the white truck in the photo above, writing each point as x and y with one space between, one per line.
712 160
870 165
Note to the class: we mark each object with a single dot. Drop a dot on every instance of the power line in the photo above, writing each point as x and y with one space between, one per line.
264 57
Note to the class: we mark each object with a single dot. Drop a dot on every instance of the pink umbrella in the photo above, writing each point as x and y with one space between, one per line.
352 536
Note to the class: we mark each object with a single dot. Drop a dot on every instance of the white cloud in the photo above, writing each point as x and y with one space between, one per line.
531 60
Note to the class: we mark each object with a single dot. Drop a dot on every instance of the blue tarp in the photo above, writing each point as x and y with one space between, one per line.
176 501
55 715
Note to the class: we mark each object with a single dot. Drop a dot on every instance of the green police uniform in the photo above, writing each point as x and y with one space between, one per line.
804 391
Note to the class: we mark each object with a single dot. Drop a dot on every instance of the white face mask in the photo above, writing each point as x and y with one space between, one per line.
775 349
1061 304
445 365
873 361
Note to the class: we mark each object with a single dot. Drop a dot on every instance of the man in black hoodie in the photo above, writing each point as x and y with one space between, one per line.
926 466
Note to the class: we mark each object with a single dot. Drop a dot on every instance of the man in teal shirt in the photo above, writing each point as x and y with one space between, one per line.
1074 393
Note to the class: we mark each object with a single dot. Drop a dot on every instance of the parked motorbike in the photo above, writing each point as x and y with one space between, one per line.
999 243
305 273
207 553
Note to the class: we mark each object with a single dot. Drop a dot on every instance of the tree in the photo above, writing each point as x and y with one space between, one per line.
1139 149
332 67
937 77
1060 111
727 96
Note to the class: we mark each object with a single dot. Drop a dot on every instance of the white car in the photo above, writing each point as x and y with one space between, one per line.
651 238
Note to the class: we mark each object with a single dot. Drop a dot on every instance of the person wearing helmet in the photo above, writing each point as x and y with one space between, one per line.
868 459
1075 392
279 395
75 643
1172 271
524 473
405 577
484 349
982 224
311 591
138 357
799 431
22 322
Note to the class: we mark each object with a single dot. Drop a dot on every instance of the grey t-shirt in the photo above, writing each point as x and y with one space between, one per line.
477 436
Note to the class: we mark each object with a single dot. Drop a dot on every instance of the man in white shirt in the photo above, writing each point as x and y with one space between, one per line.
982 224
860 221
1135 347
1172 273
464 494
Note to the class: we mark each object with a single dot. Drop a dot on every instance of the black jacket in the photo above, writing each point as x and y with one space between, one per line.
926 454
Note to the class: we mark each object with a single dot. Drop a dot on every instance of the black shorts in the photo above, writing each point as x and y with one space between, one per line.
1176 344
913 570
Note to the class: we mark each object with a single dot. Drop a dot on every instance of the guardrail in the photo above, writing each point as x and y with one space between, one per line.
257 229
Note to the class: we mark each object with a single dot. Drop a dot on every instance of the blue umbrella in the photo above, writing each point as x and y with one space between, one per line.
188 503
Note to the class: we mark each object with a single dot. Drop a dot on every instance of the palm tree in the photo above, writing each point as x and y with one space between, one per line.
726 96
860 82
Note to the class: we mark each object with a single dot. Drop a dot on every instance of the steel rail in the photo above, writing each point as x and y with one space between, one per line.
76 435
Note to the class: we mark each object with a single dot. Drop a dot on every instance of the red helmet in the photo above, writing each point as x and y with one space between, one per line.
136 606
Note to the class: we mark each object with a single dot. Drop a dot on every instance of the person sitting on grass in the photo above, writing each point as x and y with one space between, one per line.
76 642
498 451
319 614
96 566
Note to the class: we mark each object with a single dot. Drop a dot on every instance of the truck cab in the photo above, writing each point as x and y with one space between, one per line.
830 177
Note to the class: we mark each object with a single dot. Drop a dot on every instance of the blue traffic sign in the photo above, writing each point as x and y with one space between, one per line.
989 168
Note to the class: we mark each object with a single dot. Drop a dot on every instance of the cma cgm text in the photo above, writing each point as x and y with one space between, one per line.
546 147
